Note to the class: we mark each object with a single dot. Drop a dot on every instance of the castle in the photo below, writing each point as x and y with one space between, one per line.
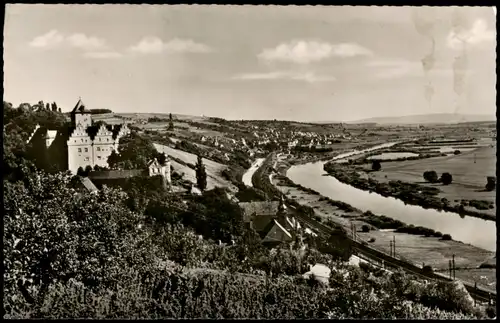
82 144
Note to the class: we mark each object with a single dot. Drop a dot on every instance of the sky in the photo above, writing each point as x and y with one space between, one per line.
306 63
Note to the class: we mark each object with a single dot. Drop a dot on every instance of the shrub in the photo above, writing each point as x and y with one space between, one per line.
376 166
438 234
446 178
365 228
479 204
446 236
491 311
427 269
491 183
371 240
457 152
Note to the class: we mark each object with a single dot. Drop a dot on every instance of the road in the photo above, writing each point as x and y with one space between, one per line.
378 258
247 177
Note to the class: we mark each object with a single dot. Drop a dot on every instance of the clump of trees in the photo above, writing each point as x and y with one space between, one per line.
446 178
376 166
491 183
431 176
134 152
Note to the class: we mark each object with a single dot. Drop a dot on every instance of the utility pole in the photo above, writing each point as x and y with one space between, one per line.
449 267
475 290
394 245
390 244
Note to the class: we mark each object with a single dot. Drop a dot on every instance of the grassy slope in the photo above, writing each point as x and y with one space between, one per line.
468 178
213 168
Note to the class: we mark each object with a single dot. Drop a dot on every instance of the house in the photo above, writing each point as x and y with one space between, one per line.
271 220
118 177
80 144
84 185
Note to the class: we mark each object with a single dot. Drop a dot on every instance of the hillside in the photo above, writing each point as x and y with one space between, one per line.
447 118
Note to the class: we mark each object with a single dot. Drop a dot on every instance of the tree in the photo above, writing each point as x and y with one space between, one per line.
162 158
491 183
80 171
88 169
170 122
135 151
54 107
376 166
446 178
365 228
201 174
47 107
113 159
431 176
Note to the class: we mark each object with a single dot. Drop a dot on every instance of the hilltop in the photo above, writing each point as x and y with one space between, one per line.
433 118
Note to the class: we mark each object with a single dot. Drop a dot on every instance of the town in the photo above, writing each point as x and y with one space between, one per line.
168 181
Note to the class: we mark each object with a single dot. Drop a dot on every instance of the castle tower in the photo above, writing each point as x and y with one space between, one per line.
102 147
80 115
80 152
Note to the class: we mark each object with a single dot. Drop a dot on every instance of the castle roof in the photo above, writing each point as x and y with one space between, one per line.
80 107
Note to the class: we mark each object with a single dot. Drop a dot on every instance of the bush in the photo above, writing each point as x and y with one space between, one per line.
457 152
371 240
376 166
365 228
438 234
427 269
491 183
446 236
491 311
446 178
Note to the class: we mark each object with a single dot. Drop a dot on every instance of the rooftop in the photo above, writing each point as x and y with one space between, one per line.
80 107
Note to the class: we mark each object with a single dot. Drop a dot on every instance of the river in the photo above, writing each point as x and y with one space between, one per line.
474 231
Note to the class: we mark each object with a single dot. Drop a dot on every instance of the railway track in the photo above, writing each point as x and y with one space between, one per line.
376 257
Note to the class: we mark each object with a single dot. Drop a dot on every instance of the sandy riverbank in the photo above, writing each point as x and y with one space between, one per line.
413 248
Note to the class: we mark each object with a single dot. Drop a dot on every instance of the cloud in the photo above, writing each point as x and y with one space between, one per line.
50 39
306 77
154 45
304 52
478 33
390 69
55 38
85 42
397 68
103 55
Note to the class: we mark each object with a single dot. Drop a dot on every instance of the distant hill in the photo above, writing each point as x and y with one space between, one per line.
429 119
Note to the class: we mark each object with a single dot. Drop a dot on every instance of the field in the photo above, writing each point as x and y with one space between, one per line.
213 169
469 177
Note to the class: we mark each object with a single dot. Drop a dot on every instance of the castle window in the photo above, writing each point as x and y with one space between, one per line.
86 150
99 148
86 159
79 150
99 157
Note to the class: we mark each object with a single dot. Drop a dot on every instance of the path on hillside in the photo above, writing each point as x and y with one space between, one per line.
247 177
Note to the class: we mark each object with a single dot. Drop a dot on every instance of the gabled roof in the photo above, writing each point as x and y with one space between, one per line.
258 208
277 233
87 183
80 107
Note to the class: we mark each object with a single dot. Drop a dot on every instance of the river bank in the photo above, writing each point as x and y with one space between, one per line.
415 249
409 193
